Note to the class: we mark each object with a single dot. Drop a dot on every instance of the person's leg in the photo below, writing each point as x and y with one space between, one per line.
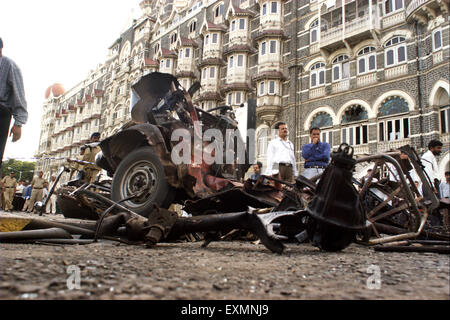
309 173
25 205
286 174
32 200
39 195
10 193
5 120
53 201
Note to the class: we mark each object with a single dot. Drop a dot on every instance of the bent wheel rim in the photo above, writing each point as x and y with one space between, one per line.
141 175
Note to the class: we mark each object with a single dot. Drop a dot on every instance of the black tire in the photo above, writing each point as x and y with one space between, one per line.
134 173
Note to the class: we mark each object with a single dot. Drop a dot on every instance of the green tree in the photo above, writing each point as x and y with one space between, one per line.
24 170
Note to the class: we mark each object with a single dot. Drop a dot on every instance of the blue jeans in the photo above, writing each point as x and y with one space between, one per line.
312 172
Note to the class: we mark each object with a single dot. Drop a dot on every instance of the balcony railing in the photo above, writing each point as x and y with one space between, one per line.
395 72
342 85
366 79
388 145
438 57
352 28
414 5
394 19
317 92
361 149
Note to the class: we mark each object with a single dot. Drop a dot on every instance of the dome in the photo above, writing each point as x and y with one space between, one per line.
55 90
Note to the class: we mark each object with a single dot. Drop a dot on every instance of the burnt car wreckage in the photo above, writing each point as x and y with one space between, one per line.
331 211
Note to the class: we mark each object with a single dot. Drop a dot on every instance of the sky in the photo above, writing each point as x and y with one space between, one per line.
57 41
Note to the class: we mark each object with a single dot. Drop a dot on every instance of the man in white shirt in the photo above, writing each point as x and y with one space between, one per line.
431 167
445 186
281 157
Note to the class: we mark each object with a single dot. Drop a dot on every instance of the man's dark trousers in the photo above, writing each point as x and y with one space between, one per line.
5 120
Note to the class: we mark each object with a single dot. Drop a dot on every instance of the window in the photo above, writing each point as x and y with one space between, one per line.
233 25
212 72
156 48
187 53
240 61
355 135
180 54
271 87
192 26
241 24
397 128
323 120
207 40
445 119
229 97
367 60
393 5
218 11
437 40
341 68
204 74
263 142
263 48
273 46
274 7
214 38
173 38
317 75
261 88
230 62
264 9
314 31
238 98
395 52
168 63
354 113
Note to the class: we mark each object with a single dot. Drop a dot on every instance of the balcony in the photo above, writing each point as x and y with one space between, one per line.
366 79
396 71
78 117
393 19
353 30
268 106
438 57
384 146
361 149
316 92
342 85
426 10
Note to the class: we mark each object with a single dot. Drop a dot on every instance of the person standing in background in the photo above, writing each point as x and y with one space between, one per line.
431 166
281 162
12 101
9 185
38 184
51 203
316 154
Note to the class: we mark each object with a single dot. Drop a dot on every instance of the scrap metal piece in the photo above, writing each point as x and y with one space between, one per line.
336 209
56 233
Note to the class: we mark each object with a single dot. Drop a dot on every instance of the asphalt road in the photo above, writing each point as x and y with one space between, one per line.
224 270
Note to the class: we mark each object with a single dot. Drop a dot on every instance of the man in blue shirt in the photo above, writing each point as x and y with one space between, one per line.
256 171
316 154
444 188
26 194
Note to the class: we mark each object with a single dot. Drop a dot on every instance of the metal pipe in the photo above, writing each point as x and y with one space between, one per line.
402 236
56 233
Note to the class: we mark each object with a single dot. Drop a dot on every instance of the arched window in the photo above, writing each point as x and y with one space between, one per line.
395 51
394 124
324 122
317 75
314 31
354 132
367 60
341 68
